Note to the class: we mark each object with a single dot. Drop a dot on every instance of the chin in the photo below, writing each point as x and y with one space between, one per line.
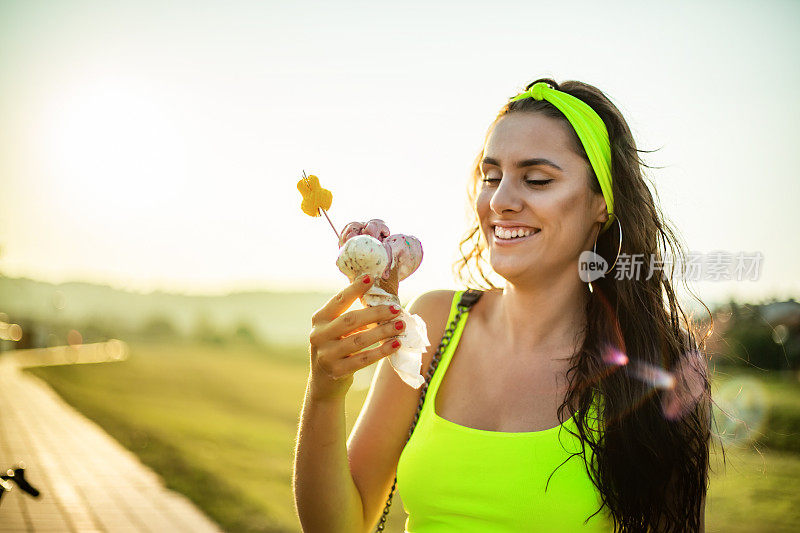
510 271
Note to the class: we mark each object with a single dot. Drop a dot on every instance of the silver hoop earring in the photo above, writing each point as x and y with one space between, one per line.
594 250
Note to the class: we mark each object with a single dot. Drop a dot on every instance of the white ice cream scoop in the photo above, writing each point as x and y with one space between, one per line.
361 255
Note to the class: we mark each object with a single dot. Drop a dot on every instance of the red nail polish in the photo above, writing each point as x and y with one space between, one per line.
394 309
367 279
399 325
396 344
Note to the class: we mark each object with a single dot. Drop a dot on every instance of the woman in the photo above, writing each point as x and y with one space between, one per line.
558 405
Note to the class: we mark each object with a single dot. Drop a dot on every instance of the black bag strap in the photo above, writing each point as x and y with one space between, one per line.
468 299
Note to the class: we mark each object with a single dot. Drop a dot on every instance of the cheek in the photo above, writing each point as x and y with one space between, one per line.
482 203
565 207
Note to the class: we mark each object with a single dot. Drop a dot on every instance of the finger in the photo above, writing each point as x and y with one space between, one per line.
371 326
363 328
347 323
363 359
343 300
349 345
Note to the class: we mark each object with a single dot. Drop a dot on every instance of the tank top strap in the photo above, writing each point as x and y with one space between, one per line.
447 355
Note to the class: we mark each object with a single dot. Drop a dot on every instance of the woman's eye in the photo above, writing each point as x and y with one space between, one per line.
538 182
489 177
486 179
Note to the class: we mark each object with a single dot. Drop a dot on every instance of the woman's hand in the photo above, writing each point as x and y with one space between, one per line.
336 339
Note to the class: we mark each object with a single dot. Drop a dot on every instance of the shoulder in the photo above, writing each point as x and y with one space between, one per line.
432 304
434 309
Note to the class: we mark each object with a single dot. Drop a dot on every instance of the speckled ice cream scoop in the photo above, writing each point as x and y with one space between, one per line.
362 254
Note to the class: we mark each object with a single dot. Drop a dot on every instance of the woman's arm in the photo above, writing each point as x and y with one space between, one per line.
325 495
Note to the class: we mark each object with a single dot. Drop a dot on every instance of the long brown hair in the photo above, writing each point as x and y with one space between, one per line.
648 458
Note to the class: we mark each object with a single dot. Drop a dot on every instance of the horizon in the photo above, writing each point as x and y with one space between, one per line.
691 302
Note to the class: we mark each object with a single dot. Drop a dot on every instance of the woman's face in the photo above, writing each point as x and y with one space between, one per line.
535 185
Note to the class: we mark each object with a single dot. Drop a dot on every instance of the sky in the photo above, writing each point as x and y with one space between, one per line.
156 145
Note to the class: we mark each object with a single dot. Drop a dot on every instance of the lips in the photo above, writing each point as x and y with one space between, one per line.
510 224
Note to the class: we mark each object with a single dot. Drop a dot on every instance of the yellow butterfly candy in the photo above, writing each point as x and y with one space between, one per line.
315 198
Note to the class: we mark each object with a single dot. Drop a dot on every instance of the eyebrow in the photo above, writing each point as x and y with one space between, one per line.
535 161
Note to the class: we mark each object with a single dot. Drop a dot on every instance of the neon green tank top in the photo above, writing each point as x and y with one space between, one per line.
456 478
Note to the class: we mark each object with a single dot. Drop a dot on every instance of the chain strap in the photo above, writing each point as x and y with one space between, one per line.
467 300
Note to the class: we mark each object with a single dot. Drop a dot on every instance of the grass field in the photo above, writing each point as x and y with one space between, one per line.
219 422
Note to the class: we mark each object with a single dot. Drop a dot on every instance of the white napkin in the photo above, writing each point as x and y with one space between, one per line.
407 360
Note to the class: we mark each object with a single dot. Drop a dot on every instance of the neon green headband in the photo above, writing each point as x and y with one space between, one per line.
591 131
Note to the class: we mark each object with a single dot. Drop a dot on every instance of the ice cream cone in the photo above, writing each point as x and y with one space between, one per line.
384 291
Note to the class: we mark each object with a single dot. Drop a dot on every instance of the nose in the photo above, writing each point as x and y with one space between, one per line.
505 198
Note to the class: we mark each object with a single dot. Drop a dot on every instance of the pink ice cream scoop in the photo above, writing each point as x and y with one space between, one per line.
404 252
350 230
376 228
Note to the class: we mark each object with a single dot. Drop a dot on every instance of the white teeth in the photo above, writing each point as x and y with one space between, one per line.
505 233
